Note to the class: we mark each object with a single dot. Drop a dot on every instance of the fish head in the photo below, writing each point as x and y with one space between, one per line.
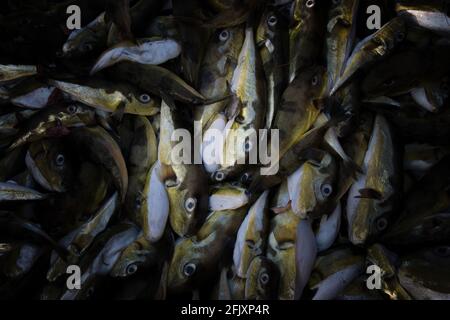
188 207
281 250
51 165
186 265
262 279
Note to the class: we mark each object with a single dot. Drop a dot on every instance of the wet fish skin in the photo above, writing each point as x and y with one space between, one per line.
196 257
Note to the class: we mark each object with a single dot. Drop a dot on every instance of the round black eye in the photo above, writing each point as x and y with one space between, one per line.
189 269
442 251
87 47
272 21
264 278
240 119
389 82
132 268
72 109
315 80
381 224
310 3
248 146
59 160
190 204
400 36
326 190
219 176
144 98
245 177
224 35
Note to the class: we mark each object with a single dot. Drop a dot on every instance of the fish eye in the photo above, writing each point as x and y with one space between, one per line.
72 109
87 47
315 80
381 224
240 119
264 278
400 36
272 21
250 244
389 82
224 35
59 160
132 268
245 177
219 176
190 204
310 3
248 146
189 269
442 251
326 190
144 98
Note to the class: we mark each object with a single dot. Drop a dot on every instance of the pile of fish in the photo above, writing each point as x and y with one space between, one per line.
93 207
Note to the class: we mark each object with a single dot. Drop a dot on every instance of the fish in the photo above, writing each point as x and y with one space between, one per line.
372 198
10 191
104 150
50 164
272 39
334 271
83 236
186 183
311 186
371 49
281 251
227 197
425 216
328 229
430 15
251 236
300 106
340 37
195 257
151 51
247 108
216 71
110 97
55 121
10 72
423 273
388 262
305 255
88 39
142 255
261 280
156 79
309 26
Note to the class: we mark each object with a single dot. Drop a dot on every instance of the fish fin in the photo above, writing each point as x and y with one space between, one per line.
278 210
